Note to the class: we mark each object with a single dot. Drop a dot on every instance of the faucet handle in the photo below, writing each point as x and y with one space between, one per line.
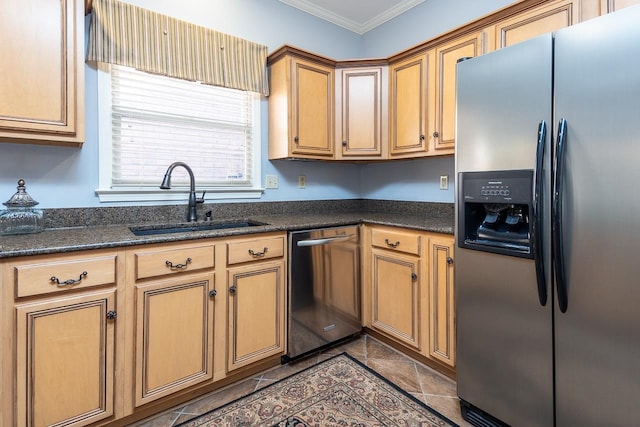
201 199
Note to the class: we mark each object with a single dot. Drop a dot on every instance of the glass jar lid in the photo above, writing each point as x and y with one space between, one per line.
21 199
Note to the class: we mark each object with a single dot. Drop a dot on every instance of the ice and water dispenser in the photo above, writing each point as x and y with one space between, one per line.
495 211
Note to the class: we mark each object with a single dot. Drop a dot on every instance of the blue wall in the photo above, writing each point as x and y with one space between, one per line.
61 177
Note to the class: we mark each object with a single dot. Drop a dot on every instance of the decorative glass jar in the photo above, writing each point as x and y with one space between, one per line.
21 217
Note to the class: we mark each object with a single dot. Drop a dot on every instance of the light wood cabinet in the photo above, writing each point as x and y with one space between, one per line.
409 115
608 6
256 301
171 288
441 300
408 291
547 17
362 99
341 270
398 288
301 108
65 320
42 84
447 56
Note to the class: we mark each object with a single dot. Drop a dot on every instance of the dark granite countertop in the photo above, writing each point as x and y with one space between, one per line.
76 238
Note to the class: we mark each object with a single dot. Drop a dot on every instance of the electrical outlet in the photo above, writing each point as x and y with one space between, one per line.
302 181
271 181
444 182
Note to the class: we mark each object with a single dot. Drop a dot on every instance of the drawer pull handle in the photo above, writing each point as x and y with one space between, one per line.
258 254
68 282
178 266
391 245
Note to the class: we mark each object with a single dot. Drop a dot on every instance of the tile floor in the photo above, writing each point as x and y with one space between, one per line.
422 382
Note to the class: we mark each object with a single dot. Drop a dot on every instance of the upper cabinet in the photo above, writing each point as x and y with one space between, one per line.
607 6
301 107
547 17
42 82
402 106
408 110
447 56
361 104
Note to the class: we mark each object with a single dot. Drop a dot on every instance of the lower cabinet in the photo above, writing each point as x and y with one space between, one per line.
173 335
398 294
256 299
441 300
62 354
409 294
171 294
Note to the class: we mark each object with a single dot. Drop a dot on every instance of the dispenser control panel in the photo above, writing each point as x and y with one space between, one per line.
513 186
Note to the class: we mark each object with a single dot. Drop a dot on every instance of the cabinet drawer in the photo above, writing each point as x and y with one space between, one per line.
171 261
64 273
397 240
254 249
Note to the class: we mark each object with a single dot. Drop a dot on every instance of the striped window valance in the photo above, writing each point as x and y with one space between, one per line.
129 35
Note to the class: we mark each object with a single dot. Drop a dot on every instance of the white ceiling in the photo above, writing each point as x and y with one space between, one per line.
358 16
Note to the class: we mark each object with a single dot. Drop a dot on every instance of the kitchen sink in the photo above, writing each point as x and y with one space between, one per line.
186 228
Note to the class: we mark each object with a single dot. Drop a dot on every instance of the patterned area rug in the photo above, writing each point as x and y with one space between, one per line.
337 392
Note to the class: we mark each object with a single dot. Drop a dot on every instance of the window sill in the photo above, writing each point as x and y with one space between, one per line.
152 195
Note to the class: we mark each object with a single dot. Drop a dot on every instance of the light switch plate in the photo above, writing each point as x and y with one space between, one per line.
444 182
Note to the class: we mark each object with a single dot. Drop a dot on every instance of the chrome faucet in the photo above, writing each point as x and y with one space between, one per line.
192 215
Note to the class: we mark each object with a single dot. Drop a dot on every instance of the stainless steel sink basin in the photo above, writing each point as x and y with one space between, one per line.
186 228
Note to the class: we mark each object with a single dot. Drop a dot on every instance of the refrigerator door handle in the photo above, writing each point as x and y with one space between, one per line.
556 226
537 214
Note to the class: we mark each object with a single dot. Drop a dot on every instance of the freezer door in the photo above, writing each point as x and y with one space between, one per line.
597 91
504 334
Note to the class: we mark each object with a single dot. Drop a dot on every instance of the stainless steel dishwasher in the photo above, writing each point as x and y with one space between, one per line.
324 289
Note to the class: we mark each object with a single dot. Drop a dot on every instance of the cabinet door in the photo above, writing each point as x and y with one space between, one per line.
408 107
441 295
360 108
608 6
42 82
256 304
447 57
65 352
342 270
312 109
540 20
173 335
396 296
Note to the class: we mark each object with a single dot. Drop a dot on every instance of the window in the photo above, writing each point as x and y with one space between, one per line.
146 122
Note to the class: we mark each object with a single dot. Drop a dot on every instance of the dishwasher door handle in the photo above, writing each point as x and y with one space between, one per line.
324 241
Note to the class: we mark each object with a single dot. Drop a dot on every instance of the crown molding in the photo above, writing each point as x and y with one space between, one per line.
356 27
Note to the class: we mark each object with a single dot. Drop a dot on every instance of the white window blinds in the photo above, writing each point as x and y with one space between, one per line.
158 120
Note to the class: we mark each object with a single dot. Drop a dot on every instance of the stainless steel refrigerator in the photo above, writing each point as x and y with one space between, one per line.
548 229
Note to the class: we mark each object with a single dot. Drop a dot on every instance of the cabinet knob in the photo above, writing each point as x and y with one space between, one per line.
233 289
414 276
436 134
345 143
421 137
111 315
449 260
296 139
213 293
